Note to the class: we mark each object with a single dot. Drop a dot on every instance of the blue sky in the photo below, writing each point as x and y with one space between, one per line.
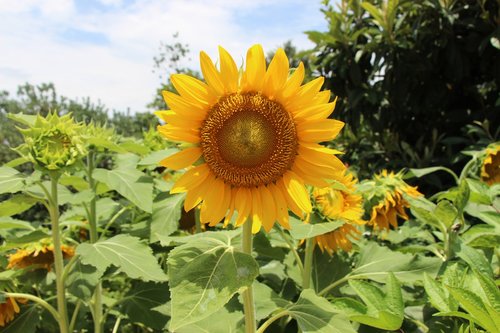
104 49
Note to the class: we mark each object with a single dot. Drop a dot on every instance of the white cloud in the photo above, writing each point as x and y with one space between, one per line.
111 56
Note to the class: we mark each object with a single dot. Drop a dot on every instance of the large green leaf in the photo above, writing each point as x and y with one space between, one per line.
166 216
227 321
128 253
11 181
155 157
10 223
301 230
204 274
16 204
267 300
437 295
474 258
82 280
384 311
139 303
131 183
315 314
376 261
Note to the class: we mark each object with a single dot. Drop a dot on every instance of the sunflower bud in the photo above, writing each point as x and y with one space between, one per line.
53 142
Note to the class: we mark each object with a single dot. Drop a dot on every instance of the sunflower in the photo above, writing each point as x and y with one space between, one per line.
8 310
39 254
490 170
388 201
250 141
340 203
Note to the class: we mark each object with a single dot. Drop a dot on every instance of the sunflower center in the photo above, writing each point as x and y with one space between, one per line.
248 140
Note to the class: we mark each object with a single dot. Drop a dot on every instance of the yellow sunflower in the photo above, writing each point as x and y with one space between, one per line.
490 170
251 137
39 254
335 203
8 310
391 203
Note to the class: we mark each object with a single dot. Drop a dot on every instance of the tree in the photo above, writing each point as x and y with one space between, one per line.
410 76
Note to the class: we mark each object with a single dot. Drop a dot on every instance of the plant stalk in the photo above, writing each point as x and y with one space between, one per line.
38 300
308 258
94 237
58 255
247 294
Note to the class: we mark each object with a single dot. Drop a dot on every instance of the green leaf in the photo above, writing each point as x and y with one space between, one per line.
22 236
301 230
376 261
375 13
490 290
474 258
462 196
437 295
11 181
475 307
204 274
155 157
134 147
482 235
139 303
24 322
82 280
10 223
267 301
166 215
227 321
100 142
446 213
425 171
372 296
315 314
131 183
16 204
128 253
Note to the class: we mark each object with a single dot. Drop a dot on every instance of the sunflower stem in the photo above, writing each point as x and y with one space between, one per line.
197 221
94 237
58 255
247 294
308 258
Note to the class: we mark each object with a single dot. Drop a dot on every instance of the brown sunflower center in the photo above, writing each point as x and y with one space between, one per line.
248 140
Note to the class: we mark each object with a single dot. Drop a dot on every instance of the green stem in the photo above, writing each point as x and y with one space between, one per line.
308 259
292 248
271 320
117 324
197 220
113 220
75 315
37 300
247 294
58 256
94 237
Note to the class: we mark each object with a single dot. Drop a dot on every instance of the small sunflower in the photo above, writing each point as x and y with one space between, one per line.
8 310
340 203
490 170
387 201
251 140
38 254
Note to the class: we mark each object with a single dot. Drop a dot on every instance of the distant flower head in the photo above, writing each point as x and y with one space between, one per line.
385 200
8 310
40 254
340 202
490 170
53 142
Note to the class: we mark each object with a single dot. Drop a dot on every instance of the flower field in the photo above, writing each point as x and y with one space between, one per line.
288 192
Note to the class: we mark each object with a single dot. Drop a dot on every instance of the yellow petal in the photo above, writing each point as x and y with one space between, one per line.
182 159
179 133
297 191
192 89
190 179
184 108
255 69
228 217
243 204
315 112
308 176
211 75
215 203
305 94
321 171
196 194
228 71
289 200
319 130
257 210
276 74
293 83
177 120
281 206
269 208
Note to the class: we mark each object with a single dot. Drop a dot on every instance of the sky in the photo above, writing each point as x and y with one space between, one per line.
104 49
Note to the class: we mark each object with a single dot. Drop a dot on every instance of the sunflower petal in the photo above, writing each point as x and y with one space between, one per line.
276 74
190 179
243 204
182 159
269 208
178 133
257 210
211 75
182 107
297 191
192 89
228 71
319 130
255 69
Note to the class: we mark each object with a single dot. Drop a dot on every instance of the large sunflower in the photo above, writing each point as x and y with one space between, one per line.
251 137
340 203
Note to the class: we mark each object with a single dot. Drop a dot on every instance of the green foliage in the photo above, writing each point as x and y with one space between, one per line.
411 77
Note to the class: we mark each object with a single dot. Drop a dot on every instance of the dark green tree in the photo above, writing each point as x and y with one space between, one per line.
411 76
